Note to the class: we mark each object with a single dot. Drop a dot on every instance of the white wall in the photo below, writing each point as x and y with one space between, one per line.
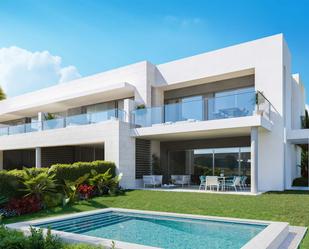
266 58
297 101
126 156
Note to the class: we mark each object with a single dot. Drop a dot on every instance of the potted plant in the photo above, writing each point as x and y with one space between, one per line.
258 101
141 106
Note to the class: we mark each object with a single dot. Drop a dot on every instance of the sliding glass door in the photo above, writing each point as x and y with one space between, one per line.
226 161
233 161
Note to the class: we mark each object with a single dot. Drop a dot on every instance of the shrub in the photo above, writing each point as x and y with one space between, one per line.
37 240
53 200
40 185
12 239
300 182
86 191
26 190
9 184
71 172
71 189
11 181
104 182
24 205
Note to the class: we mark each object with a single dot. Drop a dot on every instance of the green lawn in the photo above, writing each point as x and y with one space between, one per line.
289 206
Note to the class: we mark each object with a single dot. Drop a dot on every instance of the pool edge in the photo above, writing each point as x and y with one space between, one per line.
269 238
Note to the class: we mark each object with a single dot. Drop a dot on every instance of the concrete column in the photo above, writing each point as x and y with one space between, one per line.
1 159
254 159
40 120
128 105
38 162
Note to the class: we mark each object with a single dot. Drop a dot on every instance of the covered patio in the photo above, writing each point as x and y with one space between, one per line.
220 164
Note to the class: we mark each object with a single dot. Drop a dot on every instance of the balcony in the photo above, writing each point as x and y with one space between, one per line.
225 107
57 123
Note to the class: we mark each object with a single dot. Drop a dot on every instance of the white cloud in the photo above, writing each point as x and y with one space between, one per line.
307 107
68 73
23 71
183 21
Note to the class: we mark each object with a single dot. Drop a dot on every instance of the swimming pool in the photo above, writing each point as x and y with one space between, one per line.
160 231
142 229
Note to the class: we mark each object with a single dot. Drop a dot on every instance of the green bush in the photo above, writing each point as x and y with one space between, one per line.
51 186
71 172
12 239
300 182
8 184
11 181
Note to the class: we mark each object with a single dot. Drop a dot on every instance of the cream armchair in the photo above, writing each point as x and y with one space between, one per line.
152 180
181 179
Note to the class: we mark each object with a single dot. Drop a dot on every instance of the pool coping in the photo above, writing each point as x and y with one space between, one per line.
269 238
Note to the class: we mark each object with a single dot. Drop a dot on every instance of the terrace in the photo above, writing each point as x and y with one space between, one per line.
197 108
63 122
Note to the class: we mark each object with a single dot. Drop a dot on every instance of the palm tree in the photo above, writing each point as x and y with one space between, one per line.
2 94
38 184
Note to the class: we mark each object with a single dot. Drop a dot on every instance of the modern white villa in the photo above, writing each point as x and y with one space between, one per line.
231 112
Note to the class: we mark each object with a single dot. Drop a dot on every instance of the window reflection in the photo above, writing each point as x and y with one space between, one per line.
233 161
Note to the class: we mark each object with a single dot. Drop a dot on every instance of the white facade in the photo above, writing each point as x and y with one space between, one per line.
263 65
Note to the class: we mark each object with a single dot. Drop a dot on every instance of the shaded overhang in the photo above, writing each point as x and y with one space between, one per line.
60 98
232 127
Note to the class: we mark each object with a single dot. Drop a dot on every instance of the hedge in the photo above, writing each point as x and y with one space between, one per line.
73 171
10 181
300 182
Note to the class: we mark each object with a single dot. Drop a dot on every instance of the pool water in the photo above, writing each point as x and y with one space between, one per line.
160 231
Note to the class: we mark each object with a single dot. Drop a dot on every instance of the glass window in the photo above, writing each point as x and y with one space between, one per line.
203 162
227 161
177 162
233 161
192 108
245 159
101 107
172 111
232 103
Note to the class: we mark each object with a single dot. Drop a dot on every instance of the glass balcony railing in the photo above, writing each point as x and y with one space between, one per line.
17 129
229 106
82 119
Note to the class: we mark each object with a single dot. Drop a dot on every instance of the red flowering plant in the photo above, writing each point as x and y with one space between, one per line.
24 205
86 191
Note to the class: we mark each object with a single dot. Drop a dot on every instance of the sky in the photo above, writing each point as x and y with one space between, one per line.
46 42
